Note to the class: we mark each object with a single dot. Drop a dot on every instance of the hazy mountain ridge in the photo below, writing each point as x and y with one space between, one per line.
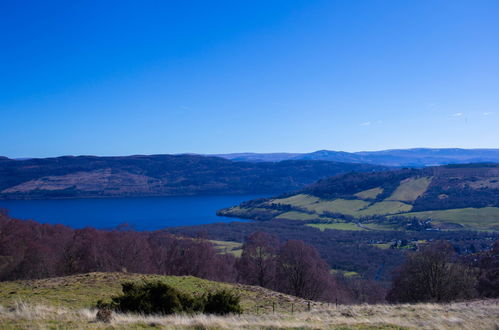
158 175
417 157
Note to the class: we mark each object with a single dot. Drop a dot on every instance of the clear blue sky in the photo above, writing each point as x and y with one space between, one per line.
144 77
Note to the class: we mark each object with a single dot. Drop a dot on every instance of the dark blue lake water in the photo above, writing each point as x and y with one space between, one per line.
144 213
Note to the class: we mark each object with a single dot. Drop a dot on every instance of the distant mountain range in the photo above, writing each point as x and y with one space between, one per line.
159 175
419 157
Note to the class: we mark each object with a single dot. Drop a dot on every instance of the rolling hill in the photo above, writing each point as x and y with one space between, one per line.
66 302
158 175
433 198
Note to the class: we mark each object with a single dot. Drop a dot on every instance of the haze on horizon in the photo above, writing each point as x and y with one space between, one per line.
147 77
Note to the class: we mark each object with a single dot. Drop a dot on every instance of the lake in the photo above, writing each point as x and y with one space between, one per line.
142 213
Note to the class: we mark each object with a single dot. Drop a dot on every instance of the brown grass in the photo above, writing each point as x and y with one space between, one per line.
472 315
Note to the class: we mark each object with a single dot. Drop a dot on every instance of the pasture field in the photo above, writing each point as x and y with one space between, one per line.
295 215
343 206
336 225
299 200
486 218
369 193
410 189
234 248
384 208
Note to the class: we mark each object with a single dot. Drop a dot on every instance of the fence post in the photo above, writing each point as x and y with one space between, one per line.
309 305
292 308
273 307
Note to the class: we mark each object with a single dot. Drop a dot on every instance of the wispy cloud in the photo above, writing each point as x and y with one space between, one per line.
457 114
366 123
487 113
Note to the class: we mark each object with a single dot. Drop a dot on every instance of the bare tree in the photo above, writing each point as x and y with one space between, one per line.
302 272
432 274
257 265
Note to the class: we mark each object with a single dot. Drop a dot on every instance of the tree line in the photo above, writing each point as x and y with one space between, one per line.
30 250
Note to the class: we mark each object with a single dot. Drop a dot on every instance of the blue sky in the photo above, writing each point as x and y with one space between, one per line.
147 77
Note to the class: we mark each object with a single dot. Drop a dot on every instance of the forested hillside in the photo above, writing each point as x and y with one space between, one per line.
158 175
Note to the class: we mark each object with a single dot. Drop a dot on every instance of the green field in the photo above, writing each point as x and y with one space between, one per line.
383 246
234 248
295 215
296 200
486 218
336 226
369 193
410 189
345 273
343 206
385 207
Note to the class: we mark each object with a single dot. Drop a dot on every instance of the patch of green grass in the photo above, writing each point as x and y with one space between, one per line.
336 226
83 291
385 207
345 273
343 206
383 246
256 213
369 193
486 218
234 248
299 200
379 226
410 189
295 215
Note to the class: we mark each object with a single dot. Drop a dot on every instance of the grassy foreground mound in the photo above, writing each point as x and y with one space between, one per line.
66 302
84 290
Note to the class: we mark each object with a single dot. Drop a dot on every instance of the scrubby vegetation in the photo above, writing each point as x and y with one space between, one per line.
160 298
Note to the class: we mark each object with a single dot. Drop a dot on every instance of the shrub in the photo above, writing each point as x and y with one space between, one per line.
154 298
160 298
222 302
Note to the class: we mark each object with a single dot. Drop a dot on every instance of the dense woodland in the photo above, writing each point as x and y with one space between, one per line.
32 250
346 250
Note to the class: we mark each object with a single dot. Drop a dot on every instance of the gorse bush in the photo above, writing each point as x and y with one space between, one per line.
160 298
222 302
154 298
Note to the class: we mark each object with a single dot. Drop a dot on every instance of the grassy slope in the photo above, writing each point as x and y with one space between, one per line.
466 315
337 226
369 193
234 248
83 291
486 218
410 189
